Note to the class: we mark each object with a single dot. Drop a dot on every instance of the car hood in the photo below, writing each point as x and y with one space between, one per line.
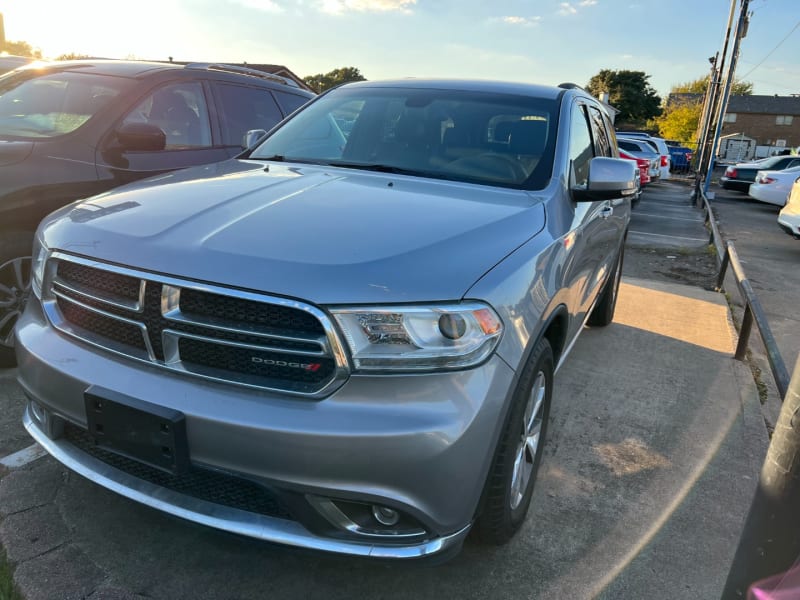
326 235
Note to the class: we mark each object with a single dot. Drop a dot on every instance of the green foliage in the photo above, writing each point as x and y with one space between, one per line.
325 81
8 590
699 86
21 49
72 56
680 122
629 92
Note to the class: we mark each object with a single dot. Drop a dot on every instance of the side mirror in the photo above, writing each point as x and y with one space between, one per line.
142 137
609 178
252 137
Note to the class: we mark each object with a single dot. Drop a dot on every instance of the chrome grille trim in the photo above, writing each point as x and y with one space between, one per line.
62 324
170 309
305 346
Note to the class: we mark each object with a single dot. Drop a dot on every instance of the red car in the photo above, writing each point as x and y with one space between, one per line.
642 163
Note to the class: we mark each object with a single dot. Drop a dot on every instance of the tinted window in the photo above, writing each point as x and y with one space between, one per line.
581 149
485 138
599 135
41 106
180 111
244 108
289 102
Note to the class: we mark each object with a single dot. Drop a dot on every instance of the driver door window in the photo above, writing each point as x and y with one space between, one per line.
180 111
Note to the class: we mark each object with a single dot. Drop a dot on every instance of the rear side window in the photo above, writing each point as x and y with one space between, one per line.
289 102
629 146
244 108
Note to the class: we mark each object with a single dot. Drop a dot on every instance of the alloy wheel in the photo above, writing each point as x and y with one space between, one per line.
15 286
529 441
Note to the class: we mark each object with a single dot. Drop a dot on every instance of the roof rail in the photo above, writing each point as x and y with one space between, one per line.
243 71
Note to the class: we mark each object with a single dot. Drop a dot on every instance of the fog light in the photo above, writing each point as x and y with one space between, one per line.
385 515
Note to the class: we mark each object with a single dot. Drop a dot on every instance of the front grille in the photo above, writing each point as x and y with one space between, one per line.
208 331
97 280
204 484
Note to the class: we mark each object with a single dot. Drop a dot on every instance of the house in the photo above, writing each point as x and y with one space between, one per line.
772 121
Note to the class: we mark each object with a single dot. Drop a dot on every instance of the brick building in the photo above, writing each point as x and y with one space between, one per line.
772 121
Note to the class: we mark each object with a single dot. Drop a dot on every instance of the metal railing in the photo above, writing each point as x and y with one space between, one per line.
753 311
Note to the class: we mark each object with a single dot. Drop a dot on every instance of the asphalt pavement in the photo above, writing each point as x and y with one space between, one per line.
656 442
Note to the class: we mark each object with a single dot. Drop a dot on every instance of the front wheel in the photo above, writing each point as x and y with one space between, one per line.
15 285
519 452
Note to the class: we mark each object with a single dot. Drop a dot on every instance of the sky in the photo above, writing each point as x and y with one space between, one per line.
537 41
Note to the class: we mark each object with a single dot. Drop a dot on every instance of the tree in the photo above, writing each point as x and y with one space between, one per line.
72 56
699 86
629 92
680 119
680 122
322 82
21 49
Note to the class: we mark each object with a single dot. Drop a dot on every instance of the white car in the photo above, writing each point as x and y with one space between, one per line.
789 217
773 187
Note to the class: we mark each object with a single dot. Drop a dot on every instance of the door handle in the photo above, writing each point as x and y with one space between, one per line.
606 211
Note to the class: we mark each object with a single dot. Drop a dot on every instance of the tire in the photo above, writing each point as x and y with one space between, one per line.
15 279
603 311
511 479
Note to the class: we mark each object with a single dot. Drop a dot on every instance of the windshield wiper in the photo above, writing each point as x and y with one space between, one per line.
381 168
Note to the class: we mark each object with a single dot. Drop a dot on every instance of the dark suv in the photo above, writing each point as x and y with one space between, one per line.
74 129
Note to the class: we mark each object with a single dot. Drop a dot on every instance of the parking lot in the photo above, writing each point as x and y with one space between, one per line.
652 423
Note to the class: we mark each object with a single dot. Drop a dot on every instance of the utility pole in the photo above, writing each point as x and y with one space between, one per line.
706 112
770 540
741 30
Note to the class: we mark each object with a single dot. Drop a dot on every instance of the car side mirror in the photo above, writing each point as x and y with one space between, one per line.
609 178
142 137
252 137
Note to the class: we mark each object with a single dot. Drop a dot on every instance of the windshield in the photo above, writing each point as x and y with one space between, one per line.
36 105
487 138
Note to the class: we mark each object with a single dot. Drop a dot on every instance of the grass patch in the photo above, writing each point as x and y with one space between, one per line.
8 590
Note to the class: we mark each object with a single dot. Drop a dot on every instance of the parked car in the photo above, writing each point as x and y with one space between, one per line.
642 149
339 341
658 144
643 164
69 130
773 187
739 176
789 217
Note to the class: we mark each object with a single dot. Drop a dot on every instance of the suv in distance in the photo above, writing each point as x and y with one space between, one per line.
340 340
69 130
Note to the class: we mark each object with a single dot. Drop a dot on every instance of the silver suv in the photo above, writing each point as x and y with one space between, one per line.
344 339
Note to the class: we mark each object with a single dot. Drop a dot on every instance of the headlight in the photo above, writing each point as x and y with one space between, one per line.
419 338
38 260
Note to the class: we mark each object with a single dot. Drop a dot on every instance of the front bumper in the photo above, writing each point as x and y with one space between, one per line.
419 444
790 224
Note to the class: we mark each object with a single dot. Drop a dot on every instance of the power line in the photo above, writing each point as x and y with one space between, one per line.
796 25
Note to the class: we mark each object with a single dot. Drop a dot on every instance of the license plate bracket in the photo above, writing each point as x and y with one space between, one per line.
139 430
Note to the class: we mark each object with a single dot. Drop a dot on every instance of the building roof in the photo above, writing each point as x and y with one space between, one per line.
766 105
752 104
